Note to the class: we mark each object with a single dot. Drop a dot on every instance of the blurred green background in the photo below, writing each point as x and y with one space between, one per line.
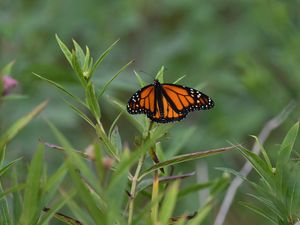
244 54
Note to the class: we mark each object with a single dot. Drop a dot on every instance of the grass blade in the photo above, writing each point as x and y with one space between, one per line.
32 201
14 129
3 169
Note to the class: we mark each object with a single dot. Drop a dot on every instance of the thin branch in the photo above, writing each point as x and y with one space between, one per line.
237 181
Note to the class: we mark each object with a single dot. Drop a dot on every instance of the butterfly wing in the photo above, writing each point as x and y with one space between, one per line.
184 99
143 101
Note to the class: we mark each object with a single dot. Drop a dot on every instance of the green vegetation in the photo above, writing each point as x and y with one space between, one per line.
85 160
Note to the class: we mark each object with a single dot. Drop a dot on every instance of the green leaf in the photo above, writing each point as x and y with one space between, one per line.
115 196
95 206
264 153
114 124
11 190
194 188
148 182
44 220
17 199
259 165
259 211
14 129
160 75
52 184
115 139
78 70
169 202
184 158
61 88
103 137
102 56
114 77
179 79
140 80
80 113
7 69
61 217
2 154
32 197
3 169
5 217
65 50
79 54
201 215
287 146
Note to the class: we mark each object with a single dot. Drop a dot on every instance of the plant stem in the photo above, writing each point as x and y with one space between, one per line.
155 202
135 178
133 188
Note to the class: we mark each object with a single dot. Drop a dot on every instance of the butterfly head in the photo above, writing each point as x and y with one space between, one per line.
156 82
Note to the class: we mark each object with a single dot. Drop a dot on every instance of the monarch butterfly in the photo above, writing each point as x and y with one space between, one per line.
164 103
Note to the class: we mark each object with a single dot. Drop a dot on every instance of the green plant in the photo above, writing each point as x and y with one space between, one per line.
278 190
105 201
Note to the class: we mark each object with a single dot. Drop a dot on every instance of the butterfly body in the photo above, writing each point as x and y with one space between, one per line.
163 103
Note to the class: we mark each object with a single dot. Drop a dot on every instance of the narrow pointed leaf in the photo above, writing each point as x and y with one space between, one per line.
102 56
32 201
287 146
80 113
61 88
63 218
201 215
14 129
64 49
114 77
3 169
7 69
160 75
169 203
115 139
179 79
140 80
79 53
52 212
184 158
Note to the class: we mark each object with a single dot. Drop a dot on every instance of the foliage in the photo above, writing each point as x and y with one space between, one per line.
104 201
278 190
244 54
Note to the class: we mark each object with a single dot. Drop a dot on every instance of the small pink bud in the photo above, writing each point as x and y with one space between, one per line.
8 84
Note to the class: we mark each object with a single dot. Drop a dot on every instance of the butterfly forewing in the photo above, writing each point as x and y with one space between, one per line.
142 101
186 99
